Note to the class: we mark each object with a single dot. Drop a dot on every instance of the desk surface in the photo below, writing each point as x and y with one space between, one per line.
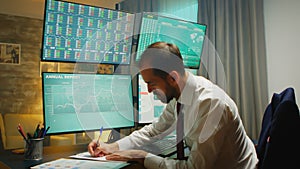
16 161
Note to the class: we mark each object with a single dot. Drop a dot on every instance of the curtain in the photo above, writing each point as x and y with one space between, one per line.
234 54
236 31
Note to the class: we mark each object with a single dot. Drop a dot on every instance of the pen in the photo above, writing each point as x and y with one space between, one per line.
98 141
22 133
36 133
41 132
45 131
29 136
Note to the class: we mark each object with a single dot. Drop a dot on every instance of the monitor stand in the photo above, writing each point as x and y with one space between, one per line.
114 136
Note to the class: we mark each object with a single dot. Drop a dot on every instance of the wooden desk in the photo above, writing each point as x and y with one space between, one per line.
16 161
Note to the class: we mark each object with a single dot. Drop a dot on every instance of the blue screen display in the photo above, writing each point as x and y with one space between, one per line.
188 36
80 33
85 102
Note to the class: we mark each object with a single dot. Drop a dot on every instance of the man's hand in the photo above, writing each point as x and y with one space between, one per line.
103 149
128 155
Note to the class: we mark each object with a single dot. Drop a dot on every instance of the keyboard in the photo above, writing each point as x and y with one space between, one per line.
163 147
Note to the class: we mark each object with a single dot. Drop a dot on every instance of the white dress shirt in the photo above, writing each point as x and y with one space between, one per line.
213 131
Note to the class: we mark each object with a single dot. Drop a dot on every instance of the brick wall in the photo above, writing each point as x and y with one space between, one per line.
20 84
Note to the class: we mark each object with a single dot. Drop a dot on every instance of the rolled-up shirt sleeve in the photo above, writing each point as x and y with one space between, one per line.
152 132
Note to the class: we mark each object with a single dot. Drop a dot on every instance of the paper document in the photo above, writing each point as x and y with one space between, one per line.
87 156
79 164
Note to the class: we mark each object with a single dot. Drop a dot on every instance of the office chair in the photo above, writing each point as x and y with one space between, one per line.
278 145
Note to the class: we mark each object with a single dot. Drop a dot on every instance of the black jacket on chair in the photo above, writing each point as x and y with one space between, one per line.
279 141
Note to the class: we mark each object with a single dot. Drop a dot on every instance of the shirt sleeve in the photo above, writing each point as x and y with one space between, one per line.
153 161
152 132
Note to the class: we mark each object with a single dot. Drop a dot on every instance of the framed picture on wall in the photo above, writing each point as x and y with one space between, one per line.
10 53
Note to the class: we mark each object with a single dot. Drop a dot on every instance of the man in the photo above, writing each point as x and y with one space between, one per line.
14 56
213 130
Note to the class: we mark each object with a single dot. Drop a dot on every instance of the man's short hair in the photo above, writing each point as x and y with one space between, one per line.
163 58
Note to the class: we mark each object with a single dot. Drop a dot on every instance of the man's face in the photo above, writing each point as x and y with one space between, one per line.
159 86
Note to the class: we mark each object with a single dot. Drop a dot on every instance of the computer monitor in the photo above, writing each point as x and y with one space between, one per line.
149 106
188 36
81 33
193 71
86 102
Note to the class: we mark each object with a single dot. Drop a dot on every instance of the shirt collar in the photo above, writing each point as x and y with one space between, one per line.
188 91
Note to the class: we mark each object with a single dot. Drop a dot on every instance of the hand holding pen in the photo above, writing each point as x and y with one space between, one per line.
98 149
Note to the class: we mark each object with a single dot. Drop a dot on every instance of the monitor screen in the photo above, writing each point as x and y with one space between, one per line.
149 106
81 33
193 71
86 102
188 36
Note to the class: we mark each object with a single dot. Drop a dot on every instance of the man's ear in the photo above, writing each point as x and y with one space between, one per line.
174 77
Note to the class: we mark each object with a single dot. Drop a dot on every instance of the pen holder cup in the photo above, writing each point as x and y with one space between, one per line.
34 149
